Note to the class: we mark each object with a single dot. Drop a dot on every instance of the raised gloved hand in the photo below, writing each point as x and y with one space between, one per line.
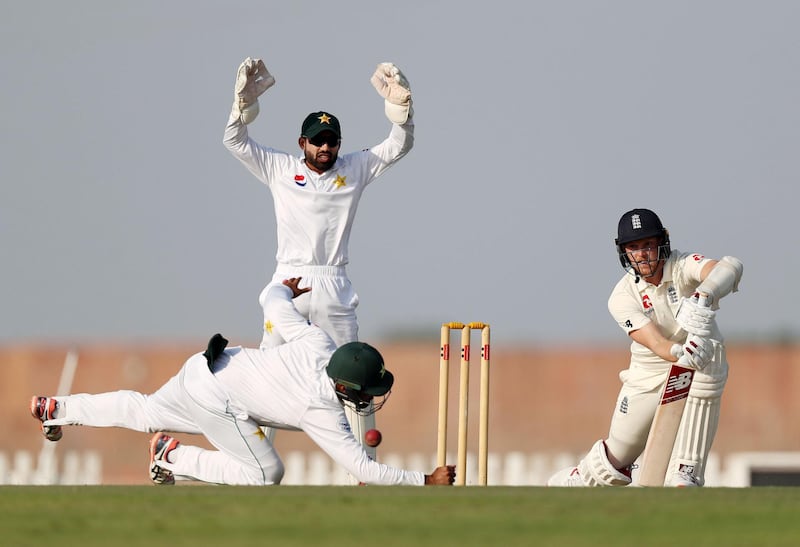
252 80
695 318
698 351
393 86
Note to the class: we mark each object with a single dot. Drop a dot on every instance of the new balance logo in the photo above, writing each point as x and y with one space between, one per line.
678 384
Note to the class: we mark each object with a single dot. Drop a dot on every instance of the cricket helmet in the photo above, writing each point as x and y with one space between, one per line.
640 224
359 368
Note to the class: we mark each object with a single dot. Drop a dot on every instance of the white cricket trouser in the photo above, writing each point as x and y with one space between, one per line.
331 304
191 402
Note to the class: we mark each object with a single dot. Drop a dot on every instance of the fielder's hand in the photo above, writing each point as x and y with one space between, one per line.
694 318
252 80
293 283
392 85
442 476
698 351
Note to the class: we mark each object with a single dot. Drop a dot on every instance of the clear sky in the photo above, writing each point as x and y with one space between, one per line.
123 217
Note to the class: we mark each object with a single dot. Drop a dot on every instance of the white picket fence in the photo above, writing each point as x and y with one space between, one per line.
316 468
45 468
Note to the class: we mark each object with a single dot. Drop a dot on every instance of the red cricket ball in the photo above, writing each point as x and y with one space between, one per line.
373 437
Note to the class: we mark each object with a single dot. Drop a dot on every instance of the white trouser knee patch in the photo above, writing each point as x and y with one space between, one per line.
695 437
596 470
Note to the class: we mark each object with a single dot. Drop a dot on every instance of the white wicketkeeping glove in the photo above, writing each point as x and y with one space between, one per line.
694 318
252 80
393 86
698 351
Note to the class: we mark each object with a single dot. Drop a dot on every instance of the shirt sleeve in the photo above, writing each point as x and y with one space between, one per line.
689 269
282 313
329 429
261 161
625 306
382 156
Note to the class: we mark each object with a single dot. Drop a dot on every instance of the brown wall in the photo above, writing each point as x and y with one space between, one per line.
544 401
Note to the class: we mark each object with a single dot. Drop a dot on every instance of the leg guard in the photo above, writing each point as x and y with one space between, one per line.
693 443
699 423
596 470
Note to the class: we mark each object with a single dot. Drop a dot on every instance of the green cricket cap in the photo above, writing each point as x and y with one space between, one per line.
360 366
317 122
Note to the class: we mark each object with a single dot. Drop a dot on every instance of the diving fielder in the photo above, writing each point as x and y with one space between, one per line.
654 305
315 197
229 394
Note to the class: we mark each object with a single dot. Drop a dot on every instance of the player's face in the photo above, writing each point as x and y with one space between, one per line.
643 256
321 150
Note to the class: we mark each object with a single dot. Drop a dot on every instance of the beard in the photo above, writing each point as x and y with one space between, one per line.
321 161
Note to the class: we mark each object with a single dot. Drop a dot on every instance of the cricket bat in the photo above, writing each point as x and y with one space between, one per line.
667 420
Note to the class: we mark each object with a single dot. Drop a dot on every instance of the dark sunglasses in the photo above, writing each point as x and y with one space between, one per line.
331 140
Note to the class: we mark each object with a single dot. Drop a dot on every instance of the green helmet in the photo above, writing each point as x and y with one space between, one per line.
359 366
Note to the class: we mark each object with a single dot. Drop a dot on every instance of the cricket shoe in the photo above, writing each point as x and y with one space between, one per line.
684 477
160 447
43 408
566 477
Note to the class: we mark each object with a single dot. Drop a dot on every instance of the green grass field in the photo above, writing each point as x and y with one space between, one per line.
197 515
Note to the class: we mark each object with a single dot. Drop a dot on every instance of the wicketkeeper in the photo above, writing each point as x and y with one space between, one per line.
654 304
315 197
230 394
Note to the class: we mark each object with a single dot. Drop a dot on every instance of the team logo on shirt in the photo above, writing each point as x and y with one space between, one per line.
340 181
672 294
343 424
646 304
697 257
300 180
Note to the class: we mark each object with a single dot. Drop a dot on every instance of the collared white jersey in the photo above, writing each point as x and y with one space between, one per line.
315 212
633 304
287 387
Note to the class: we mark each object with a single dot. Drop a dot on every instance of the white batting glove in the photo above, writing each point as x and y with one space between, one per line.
694 318
252 80
392 85
698 351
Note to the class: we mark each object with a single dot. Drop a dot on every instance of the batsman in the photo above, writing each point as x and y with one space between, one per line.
655 304
315 197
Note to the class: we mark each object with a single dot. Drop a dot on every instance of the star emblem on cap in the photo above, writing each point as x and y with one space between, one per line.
340 181
382 372
324 118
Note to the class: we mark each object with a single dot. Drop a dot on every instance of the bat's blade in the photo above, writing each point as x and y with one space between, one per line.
664 429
